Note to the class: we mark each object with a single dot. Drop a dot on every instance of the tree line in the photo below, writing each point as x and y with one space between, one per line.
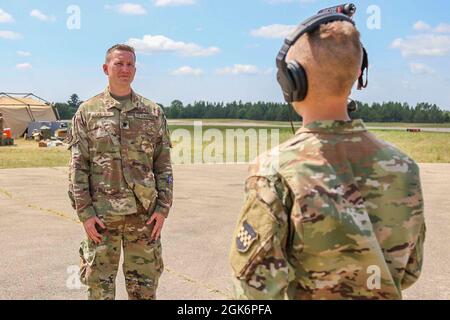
66 110
272 111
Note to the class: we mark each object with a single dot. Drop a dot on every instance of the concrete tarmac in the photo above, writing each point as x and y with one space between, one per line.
40 234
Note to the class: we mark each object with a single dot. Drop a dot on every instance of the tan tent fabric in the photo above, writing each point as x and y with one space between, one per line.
18 114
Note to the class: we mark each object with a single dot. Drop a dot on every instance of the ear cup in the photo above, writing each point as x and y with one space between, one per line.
300 82
286 83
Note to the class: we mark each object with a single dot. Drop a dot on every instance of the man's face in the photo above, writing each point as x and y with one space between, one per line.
120 68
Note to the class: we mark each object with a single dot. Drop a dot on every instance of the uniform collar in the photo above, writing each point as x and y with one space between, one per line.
334 126
110 102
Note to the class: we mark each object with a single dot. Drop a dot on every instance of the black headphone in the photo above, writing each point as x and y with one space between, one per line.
291 75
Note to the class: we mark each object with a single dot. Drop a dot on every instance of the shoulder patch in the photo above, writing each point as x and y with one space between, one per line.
246 236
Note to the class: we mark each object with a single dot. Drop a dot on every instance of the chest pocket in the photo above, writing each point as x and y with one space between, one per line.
146 127
103 135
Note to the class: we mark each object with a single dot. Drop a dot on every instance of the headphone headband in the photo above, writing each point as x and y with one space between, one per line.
314 22
307 26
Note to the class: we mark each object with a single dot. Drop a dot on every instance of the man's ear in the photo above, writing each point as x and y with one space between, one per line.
105 69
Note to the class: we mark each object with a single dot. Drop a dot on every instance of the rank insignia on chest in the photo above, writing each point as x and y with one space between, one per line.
124 124
245 237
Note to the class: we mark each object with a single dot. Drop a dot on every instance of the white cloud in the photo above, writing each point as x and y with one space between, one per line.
242 69
5 17
24 53
187 71
420 68
41 16
159 43
274 31
24 66
421 26
165 3
423 45
10 35
128 9
443 28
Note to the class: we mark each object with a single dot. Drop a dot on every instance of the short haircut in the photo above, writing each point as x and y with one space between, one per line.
120 47
331 56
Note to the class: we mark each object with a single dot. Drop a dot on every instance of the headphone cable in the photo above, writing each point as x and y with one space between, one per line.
290 118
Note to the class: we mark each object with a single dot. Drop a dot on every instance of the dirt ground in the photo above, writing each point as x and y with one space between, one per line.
40 234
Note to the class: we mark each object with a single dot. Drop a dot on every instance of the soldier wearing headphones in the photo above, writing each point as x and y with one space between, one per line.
334 212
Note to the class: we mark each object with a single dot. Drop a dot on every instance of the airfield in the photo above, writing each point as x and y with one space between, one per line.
41 234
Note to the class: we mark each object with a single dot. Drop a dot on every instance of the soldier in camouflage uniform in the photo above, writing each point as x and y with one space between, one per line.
332 213
120 183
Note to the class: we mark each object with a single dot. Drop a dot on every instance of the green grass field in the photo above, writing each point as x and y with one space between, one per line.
27 154
297 124
424 147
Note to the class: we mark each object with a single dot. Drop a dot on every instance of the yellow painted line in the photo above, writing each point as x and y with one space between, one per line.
55 213
67 217
6 193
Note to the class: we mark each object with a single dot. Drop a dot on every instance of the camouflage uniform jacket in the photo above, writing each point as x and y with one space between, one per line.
120 154
332 213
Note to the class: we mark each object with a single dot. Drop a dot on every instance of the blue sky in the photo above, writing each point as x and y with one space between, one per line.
213 50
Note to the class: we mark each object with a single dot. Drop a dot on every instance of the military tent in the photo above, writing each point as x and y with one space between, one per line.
19 110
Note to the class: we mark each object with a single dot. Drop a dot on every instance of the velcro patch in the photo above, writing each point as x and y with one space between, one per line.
102 114
245 237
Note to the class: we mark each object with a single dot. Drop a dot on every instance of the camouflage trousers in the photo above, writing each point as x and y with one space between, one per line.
142 266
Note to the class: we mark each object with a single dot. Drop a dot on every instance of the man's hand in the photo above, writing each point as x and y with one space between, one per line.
91 231
159 222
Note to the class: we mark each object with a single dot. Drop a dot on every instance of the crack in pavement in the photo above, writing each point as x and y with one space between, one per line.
198 283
